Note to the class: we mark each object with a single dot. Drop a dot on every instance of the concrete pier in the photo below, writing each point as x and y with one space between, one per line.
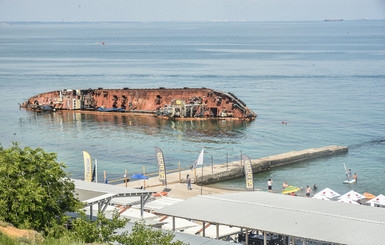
233 170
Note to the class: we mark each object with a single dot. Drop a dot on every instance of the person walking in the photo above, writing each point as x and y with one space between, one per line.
188 182
270 185
308 190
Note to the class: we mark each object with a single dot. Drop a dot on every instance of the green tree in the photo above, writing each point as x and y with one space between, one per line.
35 191
101 230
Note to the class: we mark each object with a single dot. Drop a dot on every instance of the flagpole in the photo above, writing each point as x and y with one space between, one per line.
202 181
96 170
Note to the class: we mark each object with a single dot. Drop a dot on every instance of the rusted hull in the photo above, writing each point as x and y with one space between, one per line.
179 103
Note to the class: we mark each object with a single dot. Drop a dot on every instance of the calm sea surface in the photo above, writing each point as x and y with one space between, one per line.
325 79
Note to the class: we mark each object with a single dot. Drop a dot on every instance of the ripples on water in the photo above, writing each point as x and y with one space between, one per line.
326 80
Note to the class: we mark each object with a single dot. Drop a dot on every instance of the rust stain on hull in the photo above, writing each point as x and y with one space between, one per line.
176 103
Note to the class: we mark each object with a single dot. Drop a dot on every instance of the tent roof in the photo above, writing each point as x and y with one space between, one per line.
327 192
300 217
91 193
380 199
352 195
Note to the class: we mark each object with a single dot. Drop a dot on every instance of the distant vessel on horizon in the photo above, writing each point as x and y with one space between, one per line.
333 19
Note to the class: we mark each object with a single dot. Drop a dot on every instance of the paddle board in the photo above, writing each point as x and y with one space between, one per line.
350 181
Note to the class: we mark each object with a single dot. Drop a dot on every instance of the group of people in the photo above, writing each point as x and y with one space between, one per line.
350 175
285 185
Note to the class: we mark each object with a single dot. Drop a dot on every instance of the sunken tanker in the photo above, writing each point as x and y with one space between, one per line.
178 103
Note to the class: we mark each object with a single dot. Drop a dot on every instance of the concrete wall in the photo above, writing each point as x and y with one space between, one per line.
236 170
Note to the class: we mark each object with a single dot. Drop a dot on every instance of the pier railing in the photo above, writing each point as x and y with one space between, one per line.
126 178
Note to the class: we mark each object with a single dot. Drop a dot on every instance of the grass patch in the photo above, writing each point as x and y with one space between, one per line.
7 240
66 240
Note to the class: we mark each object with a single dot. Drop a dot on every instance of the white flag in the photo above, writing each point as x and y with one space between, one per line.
199 161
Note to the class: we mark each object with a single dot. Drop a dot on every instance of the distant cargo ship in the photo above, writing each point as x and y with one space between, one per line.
177 103
333 19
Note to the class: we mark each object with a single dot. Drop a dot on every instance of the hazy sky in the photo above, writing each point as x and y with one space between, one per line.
189 10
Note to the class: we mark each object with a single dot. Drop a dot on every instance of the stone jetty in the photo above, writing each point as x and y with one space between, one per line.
235 170
220 172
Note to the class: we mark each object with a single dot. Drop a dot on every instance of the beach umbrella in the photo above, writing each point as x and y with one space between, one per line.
327 192
352 195
347 200
290 189
138 176
321 198
378 200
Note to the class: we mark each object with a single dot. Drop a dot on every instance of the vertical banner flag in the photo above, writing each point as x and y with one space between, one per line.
199 161
248 173
161 165
87 167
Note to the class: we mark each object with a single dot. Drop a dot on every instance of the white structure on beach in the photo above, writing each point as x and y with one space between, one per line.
303 218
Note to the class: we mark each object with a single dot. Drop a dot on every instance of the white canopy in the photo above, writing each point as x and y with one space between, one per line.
352 195
329 193
321 198
347 200
378 200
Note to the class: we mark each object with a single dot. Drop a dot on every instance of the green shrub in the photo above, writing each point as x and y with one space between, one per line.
35 191
101 230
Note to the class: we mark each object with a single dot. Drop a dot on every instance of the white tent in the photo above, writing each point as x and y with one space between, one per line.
328 193
347 200
161 203
378 200
321 198
352 195
134 214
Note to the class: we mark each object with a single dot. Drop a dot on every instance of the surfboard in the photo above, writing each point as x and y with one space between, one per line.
347 175
350 181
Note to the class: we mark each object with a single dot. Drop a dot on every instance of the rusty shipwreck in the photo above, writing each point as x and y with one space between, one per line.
177 103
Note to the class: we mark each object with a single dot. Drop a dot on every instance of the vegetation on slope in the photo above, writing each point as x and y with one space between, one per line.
36 193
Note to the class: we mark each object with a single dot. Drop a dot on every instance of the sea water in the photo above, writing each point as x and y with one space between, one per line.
312 84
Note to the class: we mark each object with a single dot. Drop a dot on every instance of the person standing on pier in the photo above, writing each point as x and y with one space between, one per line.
188 182
270 185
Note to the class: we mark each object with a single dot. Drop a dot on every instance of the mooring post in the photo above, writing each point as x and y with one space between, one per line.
144 180
241 159
212 164
180 179
227 160
125 177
